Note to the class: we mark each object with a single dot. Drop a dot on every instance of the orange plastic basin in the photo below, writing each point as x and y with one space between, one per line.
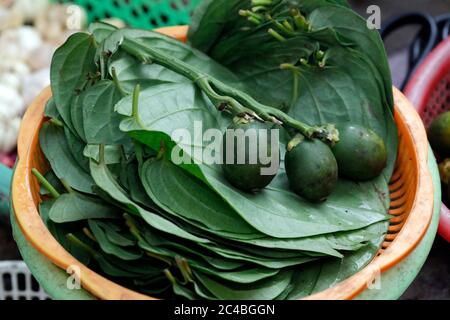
411 192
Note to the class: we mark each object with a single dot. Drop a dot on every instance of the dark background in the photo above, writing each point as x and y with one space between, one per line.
433 281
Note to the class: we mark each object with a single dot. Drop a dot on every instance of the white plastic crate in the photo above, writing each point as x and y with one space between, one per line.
17 282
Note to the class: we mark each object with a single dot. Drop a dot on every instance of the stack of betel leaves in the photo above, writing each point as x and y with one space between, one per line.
118 201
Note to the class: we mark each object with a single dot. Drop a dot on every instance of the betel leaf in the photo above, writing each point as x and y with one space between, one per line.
210 19
207 262
349 26
100 122
241 276
110 247
103 178
60 231
74 206
51 110
266 289
116 234
130 72
154 243
101 30
113 153
322 275
56 150
180 106
194 200
76 116
258 67
136 187
76 147
72 64
162 180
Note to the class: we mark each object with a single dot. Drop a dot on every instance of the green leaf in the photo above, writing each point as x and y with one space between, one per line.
110 247
73 206
107 183
210 19
115 235
193 201
62 161
101 30
51 177
264 290
113 154
51 110
349 26
71 65
60 231
131 72
100 122
76 146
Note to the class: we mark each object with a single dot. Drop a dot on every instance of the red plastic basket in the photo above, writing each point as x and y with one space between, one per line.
429 91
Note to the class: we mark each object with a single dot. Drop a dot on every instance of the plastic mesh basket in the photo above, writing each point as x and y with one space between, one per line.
429 91
17 282
438 102
140 13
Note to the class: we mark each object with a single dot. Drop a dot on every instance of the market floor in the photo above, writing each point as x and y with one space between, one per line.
8 248
433 281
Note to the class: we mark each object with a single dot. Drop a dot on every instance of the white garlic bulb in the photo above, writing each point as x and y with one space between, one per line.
11 103
10 132
11 80
41 57
31 8
14 65
57 19
33 84
10 18
19 42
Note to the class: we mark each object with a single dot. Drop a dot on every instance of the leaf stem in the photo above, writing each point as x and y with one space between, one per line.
259 9
296 80
101 154
162 150
220 93
186 271
117 82
56 122
131 224
295 142
169 276
158 257
45 183
135 105
80 244
300 21
89 234
276 35
66 186
261 2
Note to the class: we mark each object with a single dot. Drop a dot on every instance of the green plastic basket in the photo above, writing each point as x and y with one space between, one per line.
146 14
